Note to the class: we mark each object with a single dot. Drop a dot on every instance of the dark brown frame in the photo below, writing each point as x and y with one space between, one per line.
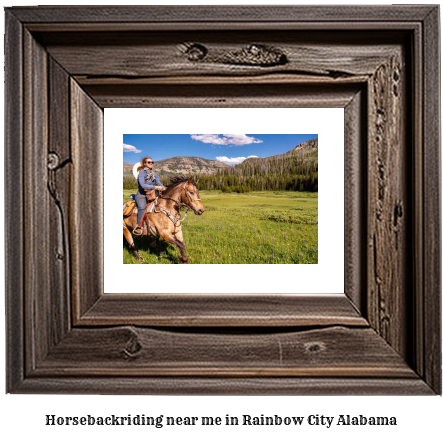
64 65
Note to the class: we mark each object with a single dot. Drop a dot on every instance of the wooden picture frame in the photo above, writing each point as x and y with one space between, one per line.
65 64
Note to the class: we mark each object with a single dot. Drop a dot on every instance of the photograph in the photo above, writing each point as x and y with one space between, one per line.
186 201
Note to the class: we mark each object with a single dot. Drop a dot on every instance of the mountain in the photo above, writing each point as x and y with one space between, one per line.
188 166
303 150
302 154
127 169
181 166
307 146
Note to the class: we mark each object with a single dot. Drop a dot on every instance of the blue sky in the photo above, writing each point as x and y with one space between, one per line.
228 148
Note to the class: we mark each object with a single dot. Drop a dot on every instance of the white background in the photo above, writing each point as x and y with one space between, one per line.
328 123
23 415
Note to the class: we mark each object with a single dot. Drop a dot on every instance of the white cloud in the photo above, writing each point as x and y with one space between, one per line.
226 139
233 161
129 148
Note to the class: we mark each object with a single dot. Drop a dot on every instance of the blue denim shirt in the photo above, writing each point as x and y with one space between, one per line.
147 185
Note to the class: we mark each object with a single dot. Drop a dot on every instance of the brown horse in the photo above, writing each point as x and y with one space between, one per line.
164 220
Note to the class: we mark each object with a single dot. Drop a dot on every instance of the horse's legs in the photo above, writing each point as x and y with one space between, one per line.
179 237
128 236
177 240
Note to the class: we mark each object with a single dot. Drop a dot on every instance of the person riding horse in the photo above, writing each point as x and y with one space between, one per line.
147 180
165 221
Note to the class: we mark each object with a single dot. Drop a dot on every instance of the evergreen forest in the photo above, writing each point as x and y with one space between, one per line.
296 172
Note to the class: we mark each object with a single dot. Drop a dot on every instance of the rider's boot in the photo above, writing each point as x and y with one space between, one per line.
142 227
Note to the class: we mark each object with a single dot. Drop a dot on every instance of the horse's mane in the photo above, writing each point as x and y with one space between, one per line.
176 180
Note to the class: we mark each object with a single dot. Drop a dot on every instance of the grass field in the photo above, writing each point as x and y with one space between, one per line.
257 227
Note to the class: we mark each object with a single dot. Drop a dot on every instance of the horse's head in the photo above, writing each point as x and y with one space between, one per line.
191 197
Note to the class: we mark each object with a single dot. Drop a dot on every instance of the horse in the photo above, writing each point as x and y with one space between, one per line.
164 219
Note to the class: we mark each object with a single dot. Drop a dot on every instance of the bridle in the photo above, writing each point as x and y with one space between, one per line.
188 194
181 203
177 220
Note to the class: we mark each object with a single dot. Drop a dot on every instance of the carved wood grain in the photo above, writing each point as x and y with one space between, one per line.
227 96
430 318
36 202
165 54
58 176
205 310
388 204
14 152
225 15
174 385
355 187
86 197
128 351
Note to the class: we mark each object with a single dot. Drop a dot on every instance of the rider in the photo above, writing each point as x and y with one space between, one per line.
147 180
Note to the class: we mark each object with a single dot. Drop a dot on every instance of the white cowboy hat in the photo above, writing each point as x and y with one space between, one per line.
135 171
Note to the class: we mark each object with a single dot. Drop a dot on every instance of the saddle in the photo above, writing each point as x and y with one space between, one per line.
130 207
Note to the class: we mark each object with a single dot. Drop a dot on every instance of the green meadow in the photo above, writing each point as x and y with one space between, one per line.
255 227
